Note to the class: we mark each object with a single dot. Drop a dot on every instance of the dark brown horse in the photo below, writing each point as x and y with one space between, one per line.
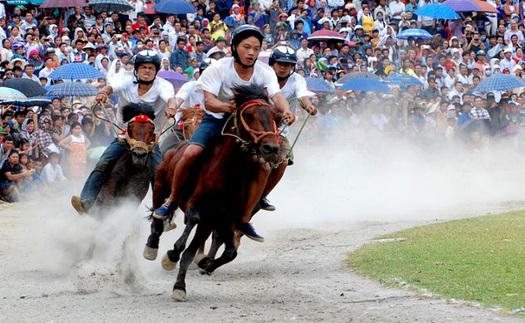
130 177
217 194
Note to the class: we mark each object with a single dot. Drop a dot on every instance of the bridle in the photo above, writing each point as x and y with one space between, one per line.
137 144
256 135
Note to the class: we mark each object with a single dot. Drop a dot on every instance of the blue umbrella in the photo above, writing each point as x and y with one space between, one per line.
403 79
176 7
356 75
75 71
72 89
318 85
365 85
437 11
415 33
499 82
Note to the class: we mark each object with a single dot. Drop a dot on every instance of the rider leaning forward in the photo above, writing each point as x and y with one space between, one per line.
217 83
145 87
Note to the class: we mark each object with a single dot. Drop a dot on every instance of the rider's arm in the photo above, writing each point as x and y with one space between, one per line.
308 106
282 105
104 93
171 109
213 104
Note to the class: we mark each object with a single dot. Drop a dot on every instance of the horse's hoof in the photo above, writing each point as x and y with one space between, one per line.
150 253
168 226
198 258
204 272
167 264
178 295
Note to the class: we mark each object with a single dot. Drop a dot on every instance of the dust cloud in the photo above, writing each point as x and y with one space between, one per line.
337 180
346 177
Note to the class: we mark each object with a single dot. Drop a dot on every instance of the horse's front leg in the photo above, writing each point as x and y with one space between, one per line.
157 226
170 259
152 245
179 289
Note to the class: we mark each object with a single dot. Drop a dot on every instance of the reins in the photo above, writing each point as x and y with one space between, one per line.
133 143
255 134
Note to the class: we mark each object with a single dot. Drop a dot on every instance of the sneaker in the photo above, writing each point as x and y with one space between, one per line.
164 210
248 230
265 205
79 205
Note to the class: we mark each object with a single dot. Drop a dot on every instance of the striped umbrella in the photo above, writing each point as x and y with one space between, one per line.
75 71
110 5
72 89
7 93
63 4
403 79
499 82
415 33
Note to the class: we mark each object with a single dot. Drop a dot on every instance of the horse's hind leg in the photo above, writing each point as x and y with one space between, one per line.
169 261
179 289
208 265
216 243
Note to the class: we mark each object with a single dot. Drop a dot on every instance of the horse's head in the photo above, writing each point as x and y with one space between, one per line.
140 134
191 118
255 121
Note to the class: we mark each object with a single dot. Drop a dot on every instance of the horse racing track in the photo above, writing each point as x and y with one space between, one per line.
59 267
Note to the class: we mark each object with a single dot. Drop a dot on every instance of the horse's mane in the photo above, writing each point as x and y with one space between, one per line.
132 110
249 92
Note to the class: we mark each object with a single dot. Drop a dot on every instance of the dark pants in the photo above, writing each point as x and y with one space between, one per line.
106 162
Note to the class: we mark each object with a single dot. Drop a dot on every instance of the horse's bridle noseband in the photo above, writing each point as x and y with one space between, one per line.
256 135
137 144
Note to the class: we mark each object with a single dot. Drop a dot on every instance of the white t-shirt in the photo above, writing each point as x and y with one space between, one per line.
190 97
157 96
294 88
221 78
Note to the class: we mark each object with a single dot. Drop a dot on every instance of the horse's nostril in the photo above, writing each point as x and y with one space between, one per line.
139 153
269 149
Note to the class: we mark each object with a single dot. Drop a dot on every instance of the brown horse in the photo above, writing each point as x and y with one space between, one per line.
190 120
130 177
217 194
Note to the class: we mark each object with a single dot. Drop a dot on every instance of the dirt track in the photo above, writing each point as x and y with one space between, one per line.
297 275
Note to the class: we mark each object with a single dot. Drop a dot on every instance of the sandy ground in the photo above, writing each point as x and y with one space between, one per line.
336 198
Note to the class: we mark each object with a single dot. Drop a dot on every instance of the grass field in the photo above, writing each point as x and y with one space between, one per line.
481 260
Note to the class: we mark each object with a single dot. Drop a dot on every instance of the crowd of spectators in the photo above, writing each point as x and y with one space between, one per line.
446 108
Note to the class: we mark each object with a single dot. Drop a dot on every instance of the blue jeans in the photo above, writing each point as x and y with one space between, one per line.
106 162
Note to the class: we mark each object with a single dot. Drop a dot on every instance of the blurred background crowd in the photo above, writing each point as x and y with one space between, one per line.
434 73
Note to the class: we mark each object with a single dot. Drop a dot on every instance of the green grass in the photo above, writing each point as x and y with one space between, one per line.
480 260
